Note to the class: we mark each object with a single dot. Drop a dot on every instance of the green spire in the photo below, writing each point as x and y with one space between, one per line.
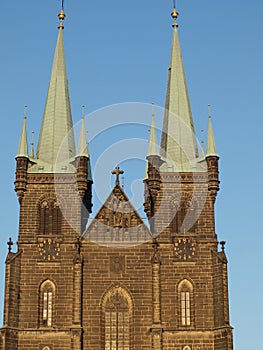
57 120
83 150
152 145
23 145
211 145
178 142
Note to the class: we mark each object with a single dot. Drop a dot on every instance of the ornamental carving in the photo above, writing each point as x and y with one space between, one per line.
117 222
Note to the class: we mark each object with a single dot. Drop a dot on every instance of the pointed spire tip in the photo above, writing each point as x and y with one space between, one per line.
23 145
211 145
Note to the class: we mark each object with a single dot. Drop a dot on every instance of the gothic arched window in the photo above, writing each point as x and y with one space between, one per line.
50 218
185 297
187 348
47 298
117 320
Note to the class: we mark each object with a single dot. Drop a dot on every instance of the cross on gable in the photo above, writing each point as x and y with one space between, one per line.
117 171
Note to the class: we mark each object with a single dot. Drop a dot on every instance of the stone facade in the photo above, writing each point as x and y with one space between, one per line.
149 276
118 284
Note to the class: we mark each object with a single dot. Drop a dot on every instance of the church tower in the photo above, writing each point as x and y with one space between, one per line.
116 284
54 191
180 193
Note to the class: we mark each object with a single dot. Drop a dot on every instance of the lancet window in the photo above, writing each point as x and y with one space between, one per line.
47 298
117 320
186 307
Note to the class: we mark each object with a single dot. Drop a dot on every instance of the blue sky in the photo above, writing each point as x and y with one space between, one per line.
119 51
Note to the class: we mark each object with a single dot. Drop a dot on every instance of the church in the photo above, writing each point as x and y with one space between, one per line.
116 283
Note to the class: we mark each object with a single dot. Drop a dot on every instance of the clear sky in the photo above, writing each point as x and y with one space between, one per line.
118 51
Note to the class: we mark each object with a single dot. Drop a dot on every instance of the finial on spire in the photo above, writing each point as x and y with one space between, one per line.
61 15
175 15
117 171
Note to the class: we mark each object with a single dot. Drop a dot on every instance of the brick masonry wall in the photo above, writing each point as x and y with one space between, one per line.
84 273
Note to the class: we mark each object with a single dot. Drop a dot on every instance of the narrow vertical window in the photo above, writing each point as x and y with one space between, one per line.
47 308
186 304
47 291
117 321
185 309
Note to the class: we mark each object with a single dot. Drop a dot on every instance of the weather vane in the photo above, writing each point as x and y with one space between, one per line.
62 5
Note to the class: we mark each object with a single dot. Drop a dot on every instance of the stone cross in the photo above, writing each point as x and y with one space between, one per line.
10 243
117 171
223 243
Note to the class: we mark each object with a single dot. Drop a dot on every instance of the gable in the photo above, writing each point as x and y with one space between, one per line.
117 223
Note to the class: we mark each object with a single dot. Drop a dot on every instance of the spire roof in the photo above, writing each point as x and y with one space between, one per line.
57 120
152 145
23 144
211 145
178 143
83 150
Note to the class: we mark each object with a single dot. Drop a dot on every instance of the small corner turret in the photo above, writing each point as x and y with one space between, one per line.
22 160
83 169
153 162
212 161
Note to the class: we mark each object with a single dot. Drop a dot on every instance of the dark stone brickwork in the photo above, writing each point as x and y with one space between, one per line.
149 275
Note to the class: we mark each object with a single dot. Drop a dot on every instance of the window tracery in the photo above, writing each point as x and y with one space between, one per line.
117 320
